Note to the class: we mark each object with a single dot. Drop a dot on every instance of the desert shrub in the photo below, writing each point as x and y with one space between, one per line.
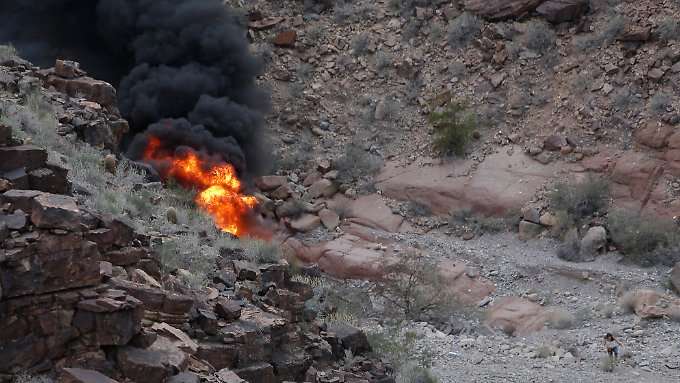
607 363
398 347
627 301
315 33
463 29
612 29
624 99
481 224
355 164
644 240
28 378
411 29
344 13
668 29
544 351
187 252
561 319
580 200
418 209
539 37
7 52
304 72
296 89
383 61
391 108
414 288
412 373
260 251
413 87
344 61
436 32
360 44
453 128
659 103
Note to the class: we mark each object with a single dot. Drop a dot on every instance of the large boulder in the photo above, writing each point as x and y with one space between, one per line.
560 11
79 375
516 316
98 91
501 183
501 9
351 338
24 156
55 211
675 277
594 241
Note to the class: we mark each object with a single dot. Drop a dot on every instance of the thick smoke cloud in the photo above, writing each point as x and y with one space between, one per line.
182 67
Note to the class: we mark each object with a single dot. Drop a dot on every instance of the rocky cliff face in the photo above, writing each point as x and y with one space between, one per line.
80 296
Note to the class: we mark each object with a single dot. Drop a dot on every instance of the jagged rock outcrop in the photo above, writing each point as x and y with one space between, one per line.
501 9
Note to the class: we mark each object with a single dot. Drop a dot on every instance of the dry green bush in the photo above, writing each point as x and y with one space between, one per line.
579 200
453 128
644 240
463 29
356 164
7 52
561 319
539 37
668 29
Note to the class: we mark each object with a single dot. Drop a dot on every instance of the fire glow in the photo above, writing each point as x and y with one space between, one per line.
219 189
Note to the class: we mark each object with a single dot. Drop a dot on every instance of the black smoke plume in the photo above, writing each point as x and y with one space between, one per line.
182 67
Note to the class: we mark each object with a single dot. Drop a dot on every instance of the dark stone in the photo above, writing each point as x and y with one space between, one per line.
20 199
23 156
185 377
14 221
125 256
54 211
351 338
219 355
560 11
78 375
18 177
228 309
46 180
142 365
257 373
207 320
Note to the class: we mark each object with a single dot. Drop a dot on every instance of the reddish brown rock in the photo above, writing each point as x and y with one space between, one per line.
322 187
67 69
142 365
49 181
219 355
228 309
54 211
98 91
653 135
307 222
555 143
24 156
560 11
516 316
122 257
329 219
634 33
52 263
501 9
285 39
269 183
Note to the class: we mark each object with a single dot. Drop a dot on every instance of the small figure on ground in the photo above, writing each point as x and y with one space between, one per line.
612 346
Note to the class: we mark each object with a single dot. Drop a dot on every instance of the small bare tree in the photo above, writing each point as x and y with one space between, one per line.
415 286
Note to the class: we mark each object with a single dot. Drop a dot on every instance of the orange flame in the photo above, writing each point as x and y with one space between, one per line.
219 189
